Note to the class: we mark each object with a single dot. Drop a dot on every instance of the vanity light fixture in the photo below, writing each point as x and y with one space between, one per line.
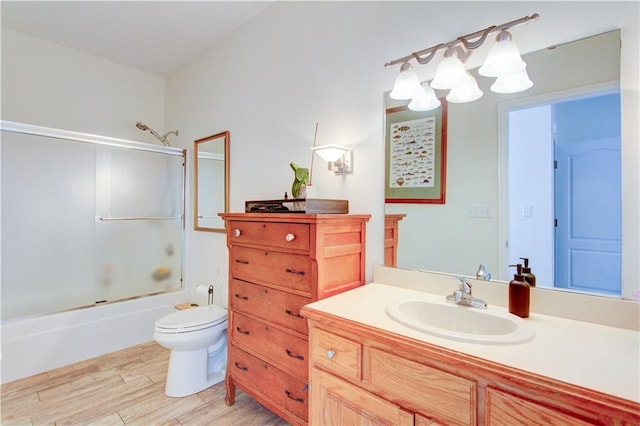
503 62
339 157
426 100
407 83
450 72
466 91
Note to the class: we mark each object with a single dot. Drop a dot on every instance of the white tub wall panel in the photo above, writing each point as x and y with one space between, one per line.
39 344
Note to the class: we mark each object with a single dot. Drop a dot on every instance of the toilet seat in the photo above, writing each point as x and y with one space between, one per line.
193 319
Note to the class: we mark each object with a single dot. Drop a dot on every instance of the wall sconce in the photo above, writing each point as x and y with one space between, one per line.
340 158
503 62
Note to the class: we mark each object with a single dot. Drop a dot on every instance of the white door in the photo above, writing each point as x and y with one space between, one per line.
588 215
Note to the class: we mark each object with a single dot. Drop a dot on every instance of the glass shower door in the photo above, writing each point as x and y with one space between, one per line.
48 202
139 223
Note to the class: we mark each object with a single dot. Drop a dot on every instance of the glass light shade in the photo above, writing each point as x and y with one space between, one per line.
330 152
466 92
425 101
503 58
407 84
450 72
512 83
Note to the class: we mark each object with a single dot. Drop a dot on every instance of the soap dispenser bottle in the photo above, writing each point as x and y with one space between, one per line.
527 274
519 294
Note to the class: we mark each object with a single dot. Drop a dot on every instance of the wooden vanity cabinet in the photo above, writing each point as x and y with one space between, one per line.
363 375
277 264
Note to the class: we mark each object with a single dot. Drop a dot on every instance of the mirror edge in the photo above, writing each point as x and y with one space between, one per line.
226 135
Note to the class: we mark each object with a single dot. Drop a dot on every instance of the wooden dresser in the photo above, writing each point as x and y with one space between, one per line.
391 238
277 264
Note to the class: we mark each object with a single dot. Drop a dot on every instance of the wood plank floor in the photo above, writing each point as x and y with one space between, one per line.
124 387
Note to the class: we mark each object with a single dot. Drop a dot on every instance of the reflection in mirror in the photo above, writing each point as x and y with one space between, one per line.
211 188
473 227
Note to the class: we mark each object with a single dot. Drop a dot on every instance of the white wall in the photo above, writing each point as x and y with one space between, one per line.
299 63
296 64
49 85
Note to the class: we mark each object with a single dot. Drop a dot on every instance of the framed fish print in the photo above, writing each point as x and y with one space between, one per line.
416 155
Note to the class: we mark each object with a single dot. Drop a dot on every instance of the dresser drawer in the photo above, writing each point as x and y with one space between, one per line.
285 270
284 349
435 393
276 385
275 306
282 235
340 356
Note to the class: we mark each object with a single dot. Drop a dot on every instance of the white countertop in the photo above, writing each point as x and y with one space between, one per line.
602 358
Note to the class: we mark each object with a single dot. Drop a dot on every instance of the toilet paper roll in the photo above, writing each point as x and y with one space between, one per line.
203 290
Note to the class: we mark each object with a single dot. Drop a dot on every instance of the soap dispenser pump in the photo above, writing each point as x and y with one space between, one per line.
519 293
527 274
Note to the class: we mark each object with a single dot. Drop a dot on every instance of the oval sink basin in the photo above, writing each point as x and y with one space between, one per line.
461 322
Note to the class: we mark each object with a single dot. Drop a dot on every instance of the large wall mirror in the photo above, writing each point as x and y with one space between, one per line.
492 192
211 188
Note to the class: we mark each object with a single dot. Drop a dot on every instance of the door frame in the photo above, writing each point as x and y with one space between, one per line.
504 108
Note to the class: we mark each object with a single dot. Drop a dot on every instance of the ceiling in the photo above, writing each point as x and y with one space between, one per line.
152 36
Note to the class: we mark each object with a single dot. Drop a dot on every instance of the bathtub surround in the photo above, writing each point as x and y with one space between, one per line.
37 344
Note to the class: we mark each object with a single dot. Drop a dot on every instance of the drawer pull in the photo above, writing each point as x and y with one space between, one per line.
236 232
241 331
291 271
293 397
300 357
244 262
290 237
288 312
242 297
330 354
240 367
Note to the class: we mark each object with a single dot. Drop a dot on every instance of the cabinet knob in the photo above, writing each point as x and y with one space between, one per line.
290 237
330 354
236 232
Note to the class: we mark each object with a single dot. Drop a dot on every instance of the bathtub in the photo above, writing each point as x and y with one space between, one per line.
37 344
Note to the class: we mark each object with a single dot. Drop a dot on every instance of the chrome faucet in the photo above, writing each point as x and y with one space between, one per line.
482 273
463 296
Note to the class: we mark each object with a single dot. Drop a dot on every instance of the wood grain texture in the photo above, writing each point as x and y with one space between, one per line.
122 388
500 391
277 264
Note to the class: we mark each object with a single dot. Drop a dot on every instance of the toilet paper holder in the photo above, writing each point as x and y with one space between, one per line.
201 289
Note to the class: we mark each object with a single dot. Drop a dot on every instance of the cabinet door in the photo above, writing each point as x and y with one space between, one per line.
503 408
336 402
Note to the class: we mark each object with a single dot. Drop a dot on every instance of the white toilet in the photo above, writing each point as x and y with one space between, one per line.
197 338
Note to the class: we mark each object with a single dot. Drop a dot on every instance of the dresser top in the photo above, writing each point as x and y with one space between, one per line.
294 217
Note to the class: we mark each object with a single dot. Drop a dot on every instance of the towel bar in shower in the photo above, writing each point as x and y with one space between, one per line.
112 219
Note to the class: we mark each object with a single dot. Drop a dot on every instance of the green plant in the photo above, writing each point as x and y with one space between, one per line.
301 177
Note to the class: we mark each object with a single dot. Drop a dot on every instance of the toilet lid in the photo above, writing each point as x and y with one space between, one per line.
193 318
